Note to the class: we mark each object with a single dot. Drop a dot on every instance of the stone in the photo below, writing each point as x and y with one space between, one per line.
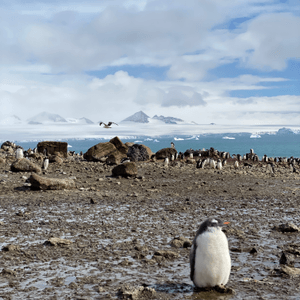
136 293
97 152
56 159
138 152
181 242
8 272
10 248
25 165
166 254
287 259
119 145
57 242
287 227
165 152
53 148
125 170
293 272
44 183
2 160
115 158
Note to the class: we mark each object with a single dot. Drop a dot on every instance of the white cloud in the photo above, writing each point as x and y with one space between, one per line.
64 39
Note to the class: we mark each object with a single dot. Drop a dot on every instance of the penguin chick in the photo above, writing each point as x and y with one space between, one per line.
209 256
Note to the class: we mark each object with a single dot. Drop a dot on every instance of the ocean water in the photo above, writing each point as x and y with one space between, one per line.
274 145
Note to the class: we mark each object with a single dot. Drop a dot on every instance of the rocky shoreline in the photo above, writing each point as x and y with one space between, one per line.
82 229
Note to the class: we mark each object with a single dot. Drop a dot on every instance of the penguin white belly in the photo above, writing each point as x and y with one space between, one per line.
212 259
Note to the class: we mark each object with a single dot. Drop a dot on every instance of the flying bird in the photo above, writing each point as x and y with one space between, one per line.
107 125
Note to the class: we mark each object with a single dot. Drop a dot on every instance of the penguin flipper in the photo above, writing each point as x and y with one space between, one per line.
192 261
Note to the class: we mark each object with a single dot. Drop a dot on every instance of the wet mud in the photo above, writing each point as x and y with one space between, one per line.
137 231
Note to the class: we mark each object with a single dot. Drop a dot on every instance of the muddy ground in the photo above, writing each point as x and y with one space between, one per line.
117 225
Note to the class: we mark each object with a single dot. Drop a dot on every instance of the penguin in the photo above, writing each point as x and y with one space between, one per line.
210 260
19 153
219 164
236 164
46 164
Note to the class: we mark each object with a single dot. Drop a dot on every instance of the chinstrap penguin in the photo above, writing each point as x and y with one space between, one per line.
209 256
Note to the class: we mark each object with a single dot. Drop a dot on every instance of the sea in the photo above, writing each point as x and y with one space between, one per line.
284 143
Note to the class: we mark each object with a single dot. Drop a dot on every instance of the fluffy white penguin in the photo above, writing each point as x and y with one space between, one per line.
209 256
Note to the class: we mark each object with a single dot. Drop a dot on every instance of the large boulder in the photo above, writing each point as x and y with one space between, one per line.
139 152
53 148
44 183
125 170
165 152
25 165
99 151
114 150
119 145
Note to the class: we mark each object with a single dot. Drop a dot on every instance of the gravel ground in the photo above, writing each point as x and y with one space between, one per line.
130 232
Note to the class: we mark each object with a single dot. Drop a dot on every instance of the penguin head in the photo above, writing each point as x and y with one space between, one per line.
210 225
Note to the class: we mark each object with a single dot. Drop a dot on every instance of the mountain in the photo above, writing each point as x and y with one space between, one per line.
10 120
79 121
45 117
167 120
139 117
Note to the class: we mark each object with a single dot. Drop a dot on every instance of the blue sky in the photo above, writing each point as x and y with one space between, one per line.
221 61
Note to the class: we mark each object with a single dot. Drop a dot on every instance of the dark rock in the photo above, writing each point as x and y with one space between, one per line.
25 165
288 227
287 259
165 152
10 248
139 152
44 183
53 148
125 170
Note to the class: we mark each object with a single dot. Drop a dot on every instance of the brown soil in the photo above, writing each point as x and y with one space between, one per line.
117 224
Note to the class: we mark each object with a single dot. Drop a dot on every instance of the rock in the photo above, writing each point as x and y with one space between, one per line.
56 159
44 183
8 272
125 170
57 242
293 272
53 148
139 152
288 227
166 254
122 148
165 152
10 248
137 293
287 259
97 152
25 165
181 242
2 160
115 158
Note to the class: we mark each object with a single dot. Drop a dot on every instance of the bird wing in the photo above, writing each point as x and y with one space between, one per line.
109 123
192 261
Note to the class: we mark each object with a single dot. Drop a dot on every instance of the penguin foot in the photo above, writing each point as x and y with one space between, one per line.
224 290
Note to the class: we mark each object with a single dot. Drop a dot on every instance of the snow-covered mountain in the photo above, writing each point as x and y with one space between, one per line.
167 120
139 117
82 120
46 117
10 120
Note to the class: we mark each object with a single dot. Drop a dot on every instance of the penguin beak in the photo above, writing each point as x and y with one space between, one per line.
226 223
